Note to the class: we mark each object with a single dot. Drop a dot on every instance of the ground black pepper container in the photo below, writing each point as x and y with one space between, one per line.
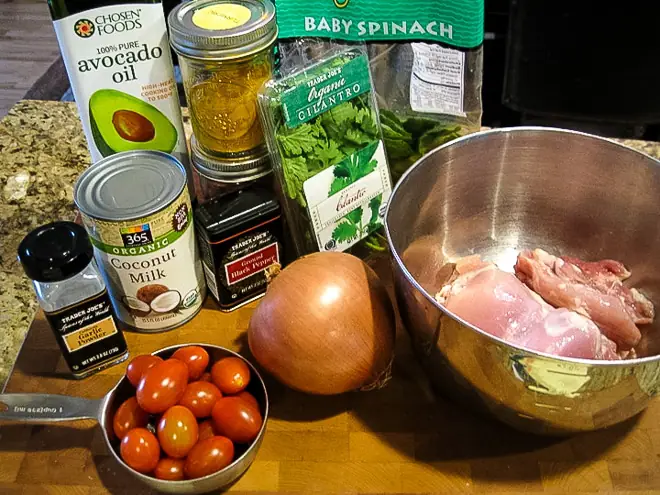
239 236
59 259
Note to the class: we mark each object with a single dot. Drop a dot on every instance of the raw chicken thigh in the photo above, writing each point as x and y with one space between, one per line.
500 304
593 289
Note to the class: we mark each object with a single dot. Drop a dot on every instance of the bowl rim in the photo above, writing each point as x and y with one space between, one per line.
481 135
186 482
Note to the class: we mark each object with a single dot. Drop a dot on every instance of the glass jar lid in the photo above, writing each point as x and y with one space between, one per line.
251 167
222 29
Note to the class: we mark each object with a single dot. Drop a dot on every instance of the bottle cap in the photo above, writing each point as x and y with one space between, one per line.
55 251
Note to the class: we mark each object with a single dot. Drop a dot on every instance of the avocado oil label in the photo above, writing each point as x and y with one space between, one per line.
152 267
87 334
119 64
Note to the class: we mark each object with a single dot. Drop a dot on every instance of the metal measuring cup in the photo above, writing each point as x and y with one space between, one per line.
47 408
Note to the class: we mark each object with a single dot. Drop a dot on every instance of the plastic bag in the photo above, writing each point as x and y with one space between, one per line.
425 57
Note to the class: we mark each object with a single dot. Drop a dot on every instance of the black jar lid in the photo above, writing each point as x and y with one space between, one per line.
55 251
222 216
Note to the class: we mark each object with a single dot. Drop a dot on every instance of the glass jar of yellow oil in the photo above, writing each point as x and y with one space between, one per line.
225 50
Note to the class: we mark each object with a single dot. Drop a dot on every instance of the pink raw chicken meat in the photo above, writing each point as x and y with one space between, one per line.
593 289
498 303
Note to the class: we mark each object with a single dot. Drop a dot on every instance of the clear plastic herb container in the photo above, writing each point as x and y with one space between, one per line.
322 130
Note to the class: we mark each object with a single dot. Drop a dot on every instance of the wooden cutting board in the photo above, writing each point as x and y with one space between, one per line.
400 439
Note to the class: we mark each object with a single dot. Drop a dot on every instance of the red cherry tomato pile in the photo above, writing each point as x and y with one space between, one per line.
199 415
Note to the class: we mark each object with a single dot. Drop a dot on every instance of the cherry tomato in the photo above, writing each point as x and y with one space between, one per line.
195 357
140 450
206 377
209 456
249 398
162 386
237 420
199 397
206 430
139 366
128 416
177 431
231 375
169 469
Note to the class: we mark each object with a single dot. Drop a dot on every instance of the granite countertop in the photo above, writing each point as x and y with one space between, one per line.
42 152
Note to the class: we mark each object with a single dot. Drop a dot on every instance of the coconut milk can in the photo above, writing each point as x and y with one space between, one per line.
136 208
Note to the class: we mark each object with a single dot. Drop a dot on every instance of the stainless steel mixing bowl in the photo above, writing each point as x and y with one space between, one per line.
495 193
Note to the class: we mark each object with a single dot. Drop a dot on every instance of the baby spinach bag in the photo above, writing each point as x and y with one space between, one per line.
425 57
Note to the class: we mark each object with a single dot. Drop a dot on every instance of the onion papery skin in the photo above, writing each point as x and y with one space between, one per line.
325 326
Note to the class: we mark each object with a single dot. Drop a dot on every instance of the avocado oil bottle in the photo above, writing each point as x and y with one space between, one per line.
118 59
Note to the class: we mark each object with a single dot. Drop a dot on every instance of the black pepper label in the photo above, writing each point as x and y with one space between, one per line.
236 270
87 333
242 268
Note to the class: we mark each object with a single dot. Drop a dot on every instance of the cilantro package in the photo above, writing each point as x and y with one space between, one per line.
425 59
322 130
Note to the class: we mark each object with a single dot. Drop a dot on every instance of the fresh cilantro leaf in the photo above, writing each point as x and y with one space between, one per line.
348 149
355 216
366 119
299 140
333 131
374 206
357 136
295 174
314 166
328 153
322 135
344 232
338 183
340 114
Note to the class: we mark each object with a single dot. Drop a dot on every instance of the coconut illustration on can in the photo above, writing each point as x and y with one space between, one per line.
137 211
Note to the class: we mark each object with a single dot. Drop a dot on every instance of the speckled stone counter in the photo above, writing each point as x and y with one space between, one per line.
42 152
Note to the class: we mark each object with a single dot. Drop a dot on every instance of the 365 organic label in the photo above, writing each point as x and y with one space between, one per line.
153 269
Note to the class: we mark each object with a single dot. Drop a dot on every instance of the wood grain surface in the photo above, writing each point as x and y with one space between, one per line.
400 439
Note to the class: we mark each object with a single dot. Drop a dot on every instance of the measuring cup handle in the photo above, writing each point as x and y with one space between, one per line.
44 408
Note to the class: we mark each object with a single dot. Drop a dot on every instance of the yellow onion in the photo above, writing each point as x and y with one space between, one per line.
325 326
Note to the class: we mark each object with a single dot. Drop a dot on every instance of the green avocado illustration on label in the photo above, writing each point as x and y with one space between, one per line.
121 122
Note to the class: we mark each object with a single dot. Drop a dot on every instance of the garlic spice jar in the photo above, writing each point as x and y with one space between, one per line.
225 50
137 211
